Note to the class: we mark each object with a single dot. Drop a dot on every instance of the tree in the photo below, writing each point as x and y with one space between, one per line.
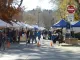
58 11
37 16
47 18
62 7
29 19
8 8
78 8
76 17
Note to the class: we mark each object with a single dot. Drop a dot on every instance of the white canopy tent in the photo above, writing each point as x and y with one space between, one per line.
35 26
4 24
75 29
41 28
28 26
20 24
74 22
23 25
15 25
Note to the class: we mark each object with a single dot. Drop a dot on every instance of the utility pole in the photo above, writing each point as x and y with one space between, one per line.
38 18
52 21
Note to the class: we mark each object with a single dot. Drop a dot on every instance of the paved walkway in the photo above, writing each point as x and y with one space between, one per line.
44 52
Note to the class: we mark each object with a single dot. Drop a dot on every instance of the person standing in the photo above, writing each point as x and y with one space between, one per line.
49 35
19 34
39 34
4 38
9 34
33 36
28 36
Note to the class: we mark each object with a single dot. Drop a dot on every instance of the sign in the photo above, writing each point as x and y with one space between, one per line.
70 9
70 17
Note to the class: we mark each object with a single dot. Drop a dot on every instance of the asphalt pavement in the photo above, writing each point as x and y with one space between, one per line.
44 52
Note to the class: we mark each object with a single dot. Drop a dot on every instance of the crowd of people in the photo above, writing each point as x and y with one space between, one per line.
55 35
14 35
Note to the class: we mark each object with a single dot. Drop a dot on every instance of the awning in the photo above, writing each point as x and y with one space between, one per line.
4 24
61 23
77 24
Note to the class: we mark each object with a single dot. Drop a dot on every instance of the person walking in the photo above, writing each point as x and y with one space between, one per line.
28 36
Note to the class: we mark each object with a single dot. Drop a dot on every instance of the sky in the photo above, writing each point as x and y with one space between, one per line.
32 4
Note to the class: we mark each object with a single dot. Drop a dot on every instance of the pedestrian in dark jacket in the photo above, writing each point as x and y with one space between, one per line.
39 35
33 36
49 35
28 36
4 39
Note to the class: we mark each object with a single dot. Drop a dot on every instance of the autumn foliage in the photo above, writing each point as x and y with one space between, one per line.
7 10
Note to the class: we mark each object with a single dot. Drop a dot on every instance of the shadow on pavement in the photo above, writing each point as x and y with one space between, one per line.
32 52
71 45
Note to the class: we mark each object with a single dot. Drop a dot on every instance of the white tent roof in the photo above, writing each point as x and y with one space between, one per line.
15 24
35 26
20 24
4 24
24 25
28 26
72 23
9 25
41 28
